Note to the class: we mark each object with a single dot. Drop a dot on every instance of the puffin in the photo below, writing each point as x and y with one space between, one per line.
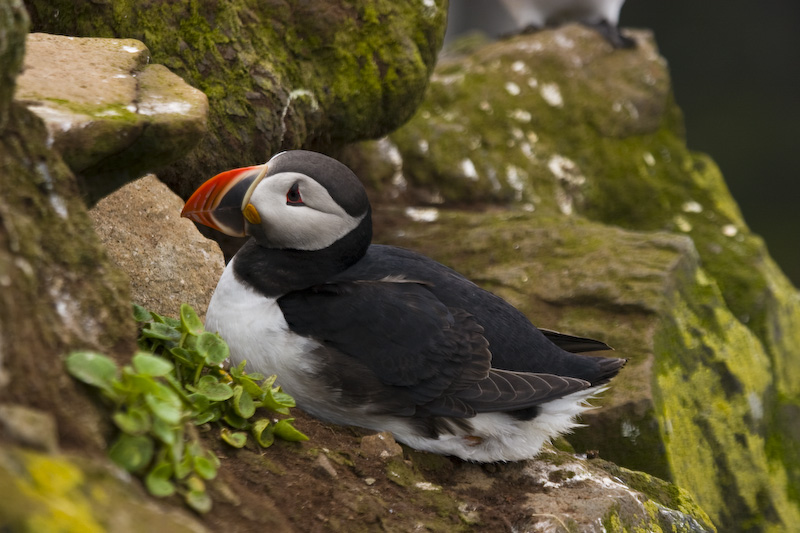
378 336
601 15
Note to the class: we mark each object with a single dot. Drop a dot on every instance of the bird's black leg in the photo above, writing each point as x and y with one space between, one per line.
612 34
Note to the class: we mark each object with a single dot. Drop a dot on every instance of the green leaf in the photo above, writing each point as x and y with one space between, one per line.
167 320
282 398
135 420
190 321
93 368
205 468
182 355
151 365
164 332
285 430
200 402
132 452
165 403
205 417
140 314
238 370
235 421
158 481
250 386
213 349
212 457
198 500
264 432
267 383
272 404
184 467
136 383
243 402
210 387
236 439
167 433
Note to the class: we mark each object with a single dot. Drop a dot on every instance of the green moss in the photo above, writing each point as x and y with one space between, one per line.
40 492
712 388
365 63
720 317
662 495
425 494
49 496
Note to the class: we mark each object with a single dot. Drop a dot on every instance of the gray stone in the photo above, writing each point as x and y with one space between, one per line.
110 114
324 468
381 445
165 257
28 427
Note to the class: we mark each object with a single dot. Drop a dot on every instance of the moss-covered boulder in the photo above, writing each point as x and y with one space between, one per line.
52 492
278 74
562 129
14 23
58 290
110 114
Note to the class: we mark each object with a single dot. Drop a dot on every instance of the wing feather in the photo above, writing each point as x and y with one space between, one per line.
401 341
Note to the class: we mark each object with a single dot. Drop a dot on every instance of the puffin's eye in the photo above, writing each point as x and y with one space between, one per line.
293 196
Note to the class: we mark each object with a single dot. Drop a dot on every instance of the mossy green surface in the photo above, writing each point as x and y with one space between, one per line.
59 290
689 405
14 28
559 124
43 492
278 74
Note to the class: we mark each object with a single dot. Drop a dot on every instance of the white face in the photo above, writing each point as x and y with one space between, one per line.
285 223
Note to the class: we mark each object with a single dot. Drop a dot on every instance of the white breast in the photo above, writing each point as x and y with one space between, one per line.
256 331
540 12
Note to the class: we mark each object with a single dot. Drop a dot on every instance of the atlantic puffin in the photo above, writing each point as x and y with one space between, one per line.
377 336
601 15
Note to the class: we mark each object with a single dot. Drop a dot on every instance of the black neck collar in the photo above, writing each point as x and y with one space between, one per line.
275 272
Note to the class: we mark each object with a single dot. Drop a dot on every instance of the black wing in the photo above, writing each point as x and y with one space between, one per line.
574 344
516 344
417 348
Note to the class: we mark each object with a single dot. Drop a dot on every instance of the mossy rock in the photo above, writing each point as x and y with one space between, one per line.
688 406
557 128
111 115
59 290
278 74
14 25
46 492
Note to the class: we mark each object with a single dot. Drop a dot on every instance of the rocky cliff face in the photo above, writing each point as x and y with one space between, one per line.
549 168
609 227
279 75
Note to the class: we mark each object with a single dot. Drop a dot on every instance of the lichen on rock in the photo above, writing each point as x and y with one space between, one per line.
110 114
278 75
558 128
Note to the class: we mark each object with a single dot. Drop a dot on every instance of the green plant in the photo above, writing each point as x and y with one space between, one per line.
175 383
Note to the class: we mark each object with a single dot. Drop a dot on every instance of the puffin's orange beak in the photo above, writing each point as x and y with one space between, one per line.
220 202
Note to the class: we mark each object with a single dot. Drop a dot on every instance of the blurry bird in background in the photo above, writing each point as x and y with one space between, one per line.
504 17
